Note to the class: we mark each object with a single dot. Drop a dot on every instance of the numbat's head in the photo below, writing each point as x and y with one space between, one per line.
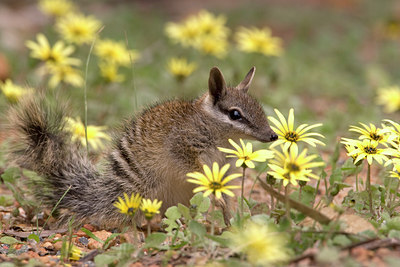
235 109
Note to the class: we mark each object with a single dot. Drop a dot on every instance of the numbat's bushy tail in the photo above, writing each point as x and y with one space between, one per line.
151 156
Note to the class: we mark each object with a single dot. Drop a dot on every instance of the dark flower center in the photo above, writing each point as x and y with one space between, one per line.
215 186
292 136
131 211
293 167
370 150
375 136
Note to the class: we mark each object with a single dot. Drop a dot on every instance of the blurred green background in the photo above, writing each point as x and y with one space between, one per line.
337 53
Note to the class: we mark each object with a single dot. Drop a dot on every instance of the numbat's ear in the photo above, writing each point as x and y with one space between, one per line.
245 84
216 84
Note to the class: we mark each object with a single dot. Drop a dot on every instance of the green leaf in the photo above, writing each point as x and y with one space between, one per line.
202 203
105 259
11 175
184 211
335 156
154 240
173 213
6 200
341 240
197 228
394 234
109 239
34 237
90 234
219 239
218 218
8 240
336 176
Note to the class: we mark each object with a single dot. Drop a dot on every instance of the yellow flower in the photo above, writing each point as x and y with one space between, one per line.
290 166
12 91
109 71
180 68
213 181
58 54
217 47
94 133
150 208
395 173
350 147
202 25
288 136
185 34
245 154
115 52
130 205
368 149
75 253
391 29
371 132
258 40
56 8
210 25
263 245
77 28
394 140
65 74
389 97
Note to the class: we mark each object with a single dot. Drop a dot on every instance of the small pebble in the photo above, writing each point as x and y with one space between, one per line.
83 240
48 245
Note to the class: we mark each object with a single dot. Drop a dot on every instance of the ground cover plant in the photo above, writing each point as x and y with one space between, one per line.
326 192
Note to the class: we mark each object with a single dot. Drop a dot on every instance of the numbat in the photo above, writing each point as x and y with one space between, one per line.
151 156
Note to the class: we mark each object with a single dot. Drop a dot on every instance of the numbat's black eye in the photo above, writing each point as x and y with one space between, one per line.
234 114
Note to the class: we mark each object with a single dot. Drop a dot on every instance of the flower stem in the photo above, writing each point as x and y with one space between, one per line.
368 186
357 182
287 205
242 194
148 228
135 240
389 193
212 214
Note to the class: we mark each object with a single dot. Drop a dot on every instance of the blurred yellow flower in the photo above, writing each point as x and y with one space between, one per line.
258 40
186 34
291 166
115 52
180 68
150 208
391 29
130 205
58 54
395 133
202 25
64 74
209 24
245 154
77 28
12 91
395 173
290 137
217 47
262 244
389 98
95 134
109 71
213 182
56 8
75 253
